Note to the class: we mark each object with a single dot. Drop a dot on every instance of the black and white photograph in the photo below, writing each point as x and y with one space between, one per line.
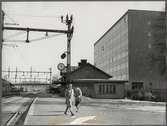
83 63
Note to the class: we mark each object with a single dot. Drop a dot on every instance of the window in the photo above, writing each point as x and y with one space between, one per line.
149 46
149 34
112 89
100 89
102 48
107 91
137 85
149 22
125 19
111 59
103 89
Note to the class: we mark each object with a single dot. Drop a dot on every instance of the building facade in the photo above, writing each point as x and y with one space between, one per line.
124 50
111 51
95 82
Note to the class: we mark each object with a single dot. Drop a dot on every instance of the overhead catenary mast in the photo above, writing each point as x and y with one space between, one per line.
69 32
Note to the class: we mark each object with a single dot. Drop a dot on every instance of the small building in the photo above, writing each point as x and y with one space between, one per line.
8 88
95 82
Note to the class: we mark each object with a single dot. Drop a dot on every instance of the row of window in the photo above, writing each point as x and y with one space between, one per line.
119 67
111 41
120 73
114 65
112 51
107 89
121 24
138 85
121 77
119 56
110 59
120 38
118 42
116 33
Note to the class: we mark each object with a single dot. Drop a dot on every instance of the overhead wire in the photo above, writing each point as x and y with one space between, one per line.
11 19
21 41
46 37
6 39
16 34
46 16
10 45
33 40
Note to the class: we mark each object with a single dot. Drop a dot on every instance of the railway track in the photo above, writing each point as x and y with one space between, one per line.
17 118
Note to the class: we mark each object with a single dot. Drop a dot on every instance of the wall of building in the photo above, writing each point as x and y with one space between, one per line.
141 45
124 50
111 51
109 90
86 88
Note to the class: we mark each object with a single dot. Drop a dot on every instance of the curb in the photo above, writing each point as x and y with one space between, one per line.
18 115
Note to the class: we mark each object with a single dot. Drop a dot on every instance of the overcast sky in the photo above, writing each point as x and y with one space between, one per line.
91 21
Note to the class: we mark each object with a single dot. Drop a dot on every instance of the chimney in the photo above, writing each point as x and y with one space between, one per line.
83 62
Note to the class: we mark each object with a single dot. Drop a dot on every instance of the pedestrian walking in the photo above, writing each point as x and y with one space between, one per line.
78 95
69 95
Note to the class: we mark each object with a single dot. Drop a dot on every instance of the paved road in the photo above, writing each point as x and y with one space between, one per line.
50 111
10 106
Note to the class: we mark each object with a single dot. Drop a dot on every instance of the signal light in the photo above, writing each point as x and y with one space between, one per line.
63 56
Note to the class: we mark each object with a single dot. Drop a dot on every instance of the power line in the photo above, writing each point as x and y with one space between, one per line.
36 29
10 45
11 24
46 37
33 40
37 16
21 41
16 34
11 19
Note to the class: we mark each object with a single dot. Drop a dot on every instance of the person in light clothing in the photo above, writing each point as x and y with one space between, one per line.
69 95
78 95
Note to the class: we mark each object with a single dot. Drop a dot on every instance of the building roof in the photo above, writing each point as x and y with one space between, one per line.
98 81
93 81
119 20
88 64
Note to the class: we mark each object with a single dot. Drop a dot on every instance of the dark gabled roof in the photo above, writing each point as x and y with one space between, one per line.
98 81
88 64
105 81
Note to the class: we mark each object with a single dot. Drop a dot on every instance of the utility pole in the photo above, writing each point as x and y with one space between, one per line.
69 36
50 75
31 74
8 72
16 75
3 18
1 37
68 22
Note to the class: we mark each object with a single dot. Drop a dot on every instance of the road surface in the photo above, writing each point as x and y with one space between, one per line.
50 111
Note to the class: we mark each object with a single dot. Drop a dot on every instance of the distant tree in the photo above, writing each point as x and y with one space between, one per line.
159 43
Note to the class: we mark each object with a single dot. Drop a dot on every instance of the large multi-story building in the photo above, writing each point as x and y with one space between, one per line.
124 50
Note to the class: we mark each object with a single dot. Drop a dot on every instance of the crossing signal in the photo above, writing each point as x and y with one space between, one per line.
63 56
